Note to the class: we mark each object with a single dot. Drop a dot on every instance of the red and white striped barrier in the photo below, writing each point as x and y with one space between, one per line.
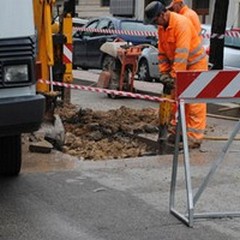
67 53
205 87
229 33
107 91
210 84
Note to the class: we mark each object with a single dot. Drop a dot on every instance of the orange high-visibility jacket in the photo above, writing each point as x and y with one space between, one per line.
179 46
193 17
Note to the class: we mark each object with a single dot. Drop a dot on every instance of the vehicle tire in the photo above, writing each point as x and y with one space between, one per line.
108 63
143 71
10 155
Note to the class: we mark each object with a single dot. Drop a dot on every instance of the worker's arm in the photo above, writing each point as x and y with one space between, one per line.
163 61
183 36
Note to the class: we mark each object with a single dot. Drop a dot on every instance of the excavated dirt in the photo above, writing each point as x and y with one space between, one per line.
98 135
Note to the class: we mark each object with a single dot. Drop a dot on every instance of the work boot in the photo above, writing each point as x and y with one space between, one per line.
192 144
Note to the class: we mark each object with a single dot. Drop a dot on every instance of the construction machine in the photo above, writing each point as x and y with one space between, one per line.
21 109
119 66
27 55
55 48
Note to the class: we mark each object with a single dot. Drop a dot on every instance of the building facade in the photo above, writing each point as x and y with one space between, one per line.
205 9
92 8
135 9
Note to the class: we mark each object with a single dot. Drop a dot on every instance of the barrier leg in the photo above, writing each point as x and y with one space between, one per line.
216 163
174 167
189 217
182 126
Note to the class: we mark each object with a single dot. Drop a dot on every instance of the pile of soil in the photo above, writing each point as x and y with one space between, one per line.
98 135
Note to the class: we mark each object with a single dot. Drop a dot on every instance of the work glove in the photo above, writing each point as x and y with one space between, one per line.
168 83
163 77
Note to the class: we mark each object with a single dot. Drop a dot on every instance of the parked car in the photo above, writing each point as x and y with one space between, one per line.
86 45
148 64
79 22
231 40
148 60
76 21
231 49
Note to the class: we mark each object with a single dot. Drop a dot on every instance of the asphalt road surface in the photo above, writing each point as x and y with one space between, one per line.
111 200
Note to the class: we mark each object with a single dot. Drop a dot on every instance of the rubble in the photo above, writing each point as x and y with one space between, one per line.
42 146
98 135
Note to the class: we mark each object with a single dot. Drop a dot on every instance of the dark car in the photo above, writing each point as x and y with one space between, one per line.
86 44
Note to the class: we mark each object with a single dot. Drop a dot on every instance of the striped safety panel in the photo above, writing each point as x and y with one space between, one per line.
210 84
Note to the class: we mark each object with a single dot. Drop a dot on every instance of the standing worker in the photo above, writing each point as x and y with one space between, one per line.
180 7
179 48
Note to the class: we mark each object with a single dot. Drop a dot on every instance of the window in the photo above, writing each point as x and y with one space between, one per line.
201 7
105 3
137 26
103 24
90 25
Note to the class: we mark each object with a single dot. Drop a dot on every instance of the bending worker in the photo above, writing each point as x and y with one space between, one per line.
179 48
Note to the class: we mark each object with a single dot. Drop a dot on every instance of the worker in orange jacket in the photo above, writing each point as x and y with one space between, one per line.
180 7
179 48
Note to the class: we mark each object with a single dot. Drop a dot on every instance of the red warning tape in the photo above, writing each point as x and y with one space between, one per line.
229 33
106 91
111 31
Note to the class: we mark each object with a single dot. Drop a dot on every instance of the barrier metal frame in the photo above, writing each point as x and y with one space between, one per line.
190 215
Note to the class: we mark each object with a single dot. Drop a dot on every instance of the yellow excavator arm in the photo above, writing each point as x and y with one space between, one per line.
54 43
43 22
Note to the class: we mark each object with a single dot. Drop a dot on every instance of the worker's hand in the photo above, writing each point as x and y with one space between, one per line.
168 83
163 77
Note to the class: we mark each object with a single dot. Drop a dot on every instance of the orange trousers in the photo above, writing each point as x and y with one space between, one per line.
195 113
195 116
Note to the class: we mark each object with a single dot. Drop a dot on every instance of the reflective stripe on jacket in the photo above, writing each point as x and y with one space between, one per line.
179 45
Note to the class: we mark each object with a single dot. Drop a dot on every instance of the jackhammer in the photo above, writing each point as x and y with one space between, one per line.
165 115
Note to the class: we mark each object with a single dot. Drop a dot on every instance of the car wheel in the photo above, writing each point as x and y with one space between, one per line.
143 71
108 63
10 155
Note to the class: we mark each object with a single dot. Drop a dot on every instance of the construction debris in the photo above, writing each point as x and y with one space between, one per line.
101 135
42 146
96 135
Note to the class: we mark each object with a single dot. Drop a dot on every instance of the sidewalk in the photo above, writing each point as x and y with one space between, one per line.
153 88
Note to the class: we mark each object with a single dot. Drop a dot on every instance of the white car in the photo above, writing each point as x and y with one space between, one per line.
231 49
148 64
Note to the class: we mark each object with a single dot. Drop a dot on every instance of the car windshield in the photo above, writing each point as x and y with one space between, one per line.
137 26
